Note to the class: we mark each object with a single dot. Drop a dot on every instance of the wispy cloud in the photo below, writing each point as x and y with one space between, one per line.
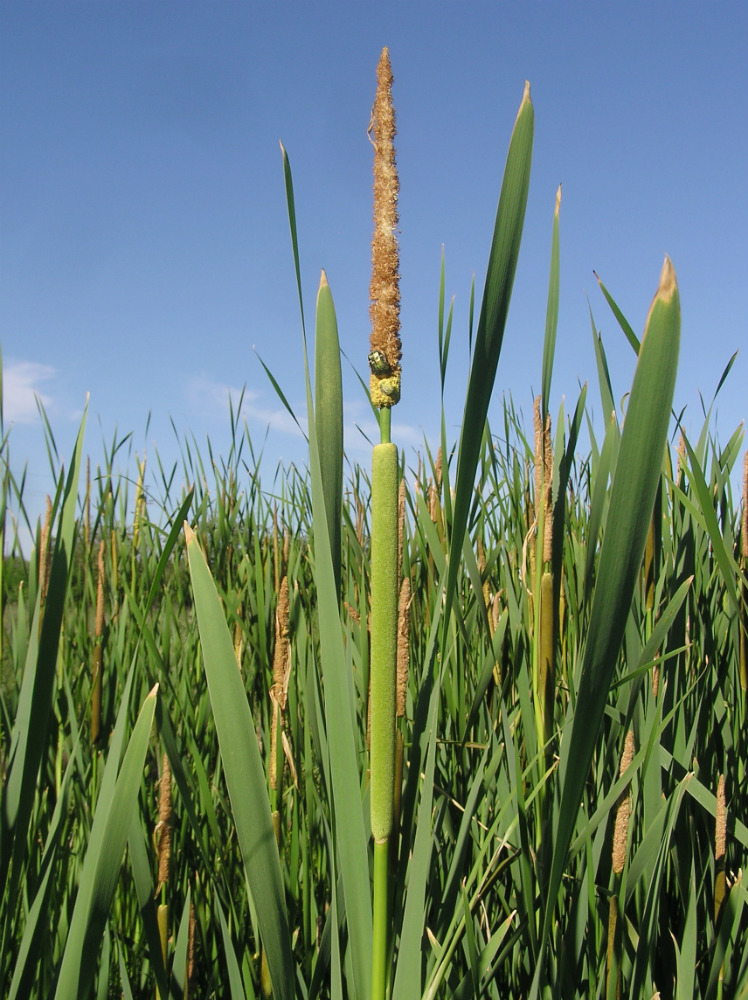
21 381
213 399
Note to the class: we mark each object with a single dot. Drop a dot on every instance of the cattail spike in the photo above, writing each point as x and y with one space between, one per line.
403 646
164 821
384 290
623 812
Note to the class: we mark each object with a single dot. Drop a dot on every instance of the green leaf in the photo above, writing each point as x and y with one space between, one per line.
28 739
101 867
350 833
245 777
551 315
328 406
502 265
635 483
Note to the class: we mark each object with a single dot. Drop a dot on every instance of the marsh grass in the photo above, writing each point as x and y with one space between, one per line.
513 875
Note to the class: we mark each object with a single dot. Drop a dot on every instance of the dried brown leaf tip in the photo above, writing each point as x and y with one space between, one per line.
384 290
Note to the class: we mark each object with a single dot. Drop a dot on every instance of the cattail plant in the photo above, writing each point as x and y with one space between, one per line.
139 516
620 840
98 649
744 586
545 683
45 555
384 362
162 840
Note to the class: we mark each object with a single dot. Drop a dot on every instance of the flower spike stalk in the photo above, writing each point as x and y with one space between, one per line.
384 362
384 288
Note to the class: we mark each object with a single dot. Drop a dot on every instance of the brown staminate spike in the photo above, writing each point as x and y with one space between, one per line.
548 490
45 556
538 428
164 821
87 506
720 844
744 539
720 840
384 289
623 812
400 525
191 927
403 646
100 592
98 649
282 651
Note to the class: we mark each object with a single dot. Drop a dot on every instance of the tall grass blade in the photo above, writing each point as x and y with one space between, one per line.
350 834
632 497
551 315
502 264
328 404
244 773
28 738
101 867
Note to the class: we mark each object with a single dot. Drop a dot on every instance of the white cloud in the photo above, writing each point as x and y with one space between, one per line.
212 399
21 380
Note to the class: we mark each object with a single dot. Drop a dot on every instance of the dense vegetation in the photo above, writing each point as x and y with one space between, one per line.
185 802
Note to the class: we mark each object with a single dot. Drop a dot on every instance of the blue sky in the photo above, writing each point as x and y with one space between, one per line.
144 245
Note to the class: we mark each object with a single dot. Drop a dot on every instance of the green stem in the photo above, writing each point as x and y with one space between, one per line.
383 636
384 594
379 940
385 422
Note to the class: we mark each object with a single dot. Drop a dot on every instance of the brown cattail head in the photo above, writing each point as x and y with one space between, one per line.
537 424
87 506
403 646
544 475
721 821
276 548
744 541
720 881
164 821
548 489
191 927
384 290
400 525
45 552
623 812
681 458
434 494
100 591
282 651
281 670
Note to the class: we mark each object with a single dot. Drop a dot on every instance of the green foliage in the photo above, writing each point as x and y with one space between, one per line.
502 862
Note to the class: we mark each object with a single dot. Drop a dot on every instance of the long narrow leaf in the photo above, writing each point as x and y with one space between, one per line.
632 498
245 777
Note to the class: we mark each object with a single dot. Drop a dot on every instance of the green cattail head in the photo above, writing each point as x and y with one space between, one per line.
384 290
384 606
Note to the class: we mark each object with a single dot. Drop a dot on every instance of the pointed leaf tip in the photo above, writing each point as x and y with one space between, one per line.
189 534
668 283
323 282
526 95
558 202
667 290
